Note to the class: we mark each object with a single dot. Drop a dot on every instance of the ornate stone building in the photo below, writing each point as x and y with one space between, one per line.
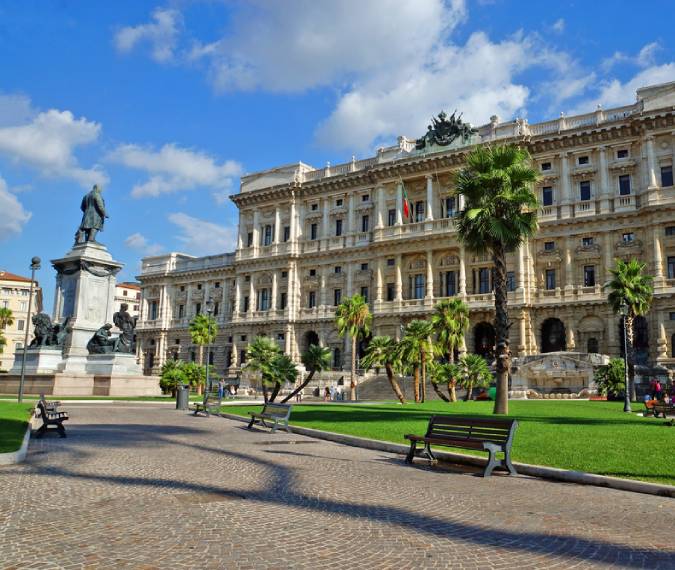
309 237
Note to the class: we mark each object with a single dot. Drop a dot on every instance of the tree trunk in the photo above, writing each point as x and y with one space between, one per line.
469 390
303 385
275 391
424 376
630 356
416 383
440 394
452 385
264 388
394 384
352 378
502 352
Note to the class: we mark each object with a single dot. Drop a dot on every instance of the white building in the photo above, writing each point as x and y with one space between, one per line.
129 293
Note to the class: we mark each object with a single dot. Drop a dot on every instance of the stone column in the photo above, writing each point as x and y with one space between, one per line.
350 214
256 228
565 186
326 218
430 198
604 181
237 296
462 271
569 267
350 279
662 339
251 296
399 204
378 280
658 256
609 254
379 217
651 162
398 284
612 333
323 278
235 354
460 202
522 331
520 269
300 222
240 236
275 286
277 225
430 275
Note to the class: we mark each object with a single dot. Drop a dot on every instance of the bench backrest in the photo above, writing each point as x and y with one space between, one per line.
277 410
470 428
43 411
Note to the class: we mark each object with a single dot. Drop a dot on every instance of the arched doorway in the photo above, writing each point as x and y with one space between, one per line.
553 336
592 346
310 338
484 340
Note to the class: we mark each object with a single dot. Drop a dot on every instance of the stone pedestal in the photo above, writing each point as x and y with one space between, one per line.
43 360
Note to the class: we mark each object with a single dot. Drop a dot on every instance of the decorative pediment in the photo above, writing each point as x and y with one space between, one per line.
635 244
449 260
418 263
587 251
584 173
623 165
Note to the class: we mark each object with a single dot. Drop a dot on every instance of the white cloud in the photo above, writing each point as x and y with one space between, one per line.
161 34
559 26
173 169
14 216
15 109
201 237
645 57
141 244
48 141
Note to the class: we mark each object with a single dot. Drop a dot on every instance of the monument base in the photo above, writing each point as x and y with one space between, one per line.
43 360
73 384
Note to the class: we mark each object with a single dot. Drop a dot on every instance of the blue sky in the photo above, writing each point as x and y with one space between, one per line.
167 103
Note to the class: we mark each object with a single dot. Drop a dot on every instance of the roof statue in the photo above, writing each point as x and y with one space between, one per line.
444 130
93 216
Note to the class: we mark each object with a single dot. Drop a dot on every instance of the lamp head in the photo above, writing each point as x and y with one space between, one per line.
35 262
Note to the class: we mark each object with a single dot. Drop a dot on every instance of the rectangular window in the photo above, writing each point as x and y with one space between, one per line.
450 284
23 305
510 281
587 241
547 196
211 357
365 197
249 239
246 303
622 153
314 207
264 300
483 280
311 299
181 311
337 296
589 275
216 308
583 160
391 218
124 293
21 323
391 291
624 185
549 245
364 267
267 240
365 222
670 231
154 310
338 202
364 293
199 286
391 262
550 279
216 285
338 269
338 227
287 233
418 286
672 316
585 191
312 231
282 300
419 211
671 267
312 272
450 206
666 176
198 308
284 274
546 166
628 237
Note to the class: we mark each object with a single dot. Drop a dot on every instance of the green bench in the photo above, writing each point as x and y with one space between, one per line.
211 403
276 413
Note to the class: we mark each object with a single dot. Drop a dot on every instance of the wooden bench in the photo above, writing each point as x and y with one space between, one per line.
486 434
277 413
664 410
211 403
50 405
51 419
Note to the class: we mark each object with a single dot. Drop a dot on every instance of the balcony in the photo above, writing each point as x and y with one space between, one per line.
548 213
584 209
625 203
431 227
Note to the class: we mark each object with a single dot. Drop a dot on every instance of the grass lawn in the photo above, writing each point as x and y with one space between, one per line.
596 437
13 422
166 398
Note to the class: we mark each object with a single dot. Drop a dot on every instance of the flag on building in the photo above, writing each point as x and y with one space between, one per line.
407 212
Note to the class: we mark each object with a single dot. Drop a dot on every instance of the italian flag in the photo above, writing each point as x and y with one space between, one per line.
407 212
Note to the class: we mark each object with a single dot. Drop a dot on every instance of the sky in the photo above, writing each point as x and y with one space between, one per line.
166 104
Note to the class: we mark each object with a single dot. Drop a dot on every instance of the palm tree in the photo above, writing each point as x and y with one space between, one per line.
173 374
3 342
261 353
475 373
353 318
316 359
450 321
500 213
454 372
438 373
203 331
629 284
415 346
6 317
383 351
282 369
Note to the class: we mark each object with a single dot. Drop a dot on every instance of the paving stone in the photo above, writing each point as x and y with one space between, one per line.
142 487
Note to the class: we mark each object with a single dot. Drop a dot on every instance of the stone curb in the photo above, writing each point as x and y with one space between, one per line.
12 457
568 476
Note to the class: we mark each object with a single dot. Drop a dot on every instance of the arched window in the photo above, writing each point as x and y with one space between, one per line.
553 336
592 345
337 358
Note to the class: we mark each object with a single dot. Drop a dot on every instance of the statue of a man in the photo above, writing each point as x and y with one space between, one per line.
93 216
101 343
126 323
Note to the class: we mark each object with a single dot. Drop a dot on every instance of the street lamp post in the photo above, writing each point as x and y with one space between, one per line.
209 311
34 265
623 311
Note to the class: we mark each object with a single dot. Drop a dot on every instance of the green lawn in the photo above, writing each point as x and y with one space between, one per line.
596 437
13 422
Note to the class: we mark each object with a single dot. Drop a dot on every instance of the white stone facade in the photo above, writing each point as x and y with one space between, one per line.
308 237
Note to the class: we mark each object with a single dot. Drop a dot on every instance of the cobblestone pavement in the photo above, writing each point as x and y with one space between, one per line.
155 488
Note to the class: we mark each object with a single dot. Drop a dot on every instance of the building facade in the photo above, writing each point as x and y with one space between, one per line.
309 237
14 295
129 293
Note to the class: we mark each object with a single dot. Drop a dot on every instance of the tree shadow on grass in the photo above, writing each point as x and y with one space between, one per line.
281 490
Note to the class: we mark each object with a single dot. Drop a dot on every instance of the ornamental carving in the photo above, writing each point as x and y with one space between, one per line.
418 264
449 260
444 130
592 250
